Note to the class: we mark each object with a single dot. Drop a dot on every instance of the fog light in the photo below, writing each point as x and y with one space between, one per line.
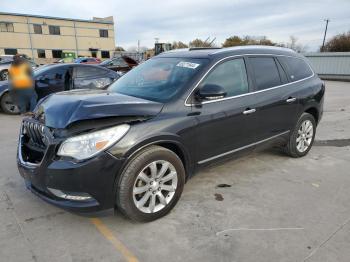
70 195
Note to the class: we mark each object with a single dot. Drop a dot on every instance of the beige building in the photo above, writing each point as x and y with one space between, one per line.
45 38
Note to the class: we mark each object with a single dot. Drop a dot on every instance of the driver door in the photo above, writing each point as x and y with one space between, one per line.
226 124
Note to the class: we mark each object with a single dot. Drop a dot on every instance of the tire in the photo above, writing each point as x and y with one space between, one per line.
156 157
4 75
298 136
7 105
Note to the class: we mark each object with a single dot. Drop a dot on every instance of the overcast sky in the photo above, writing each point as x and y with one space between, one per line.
185 20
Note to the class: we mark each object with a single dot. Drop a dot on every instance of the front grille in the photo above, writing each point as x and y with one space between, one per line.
34 141
35 133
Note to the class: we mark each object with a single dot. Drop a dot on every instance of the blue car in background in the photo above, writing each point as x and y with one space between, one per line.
61 77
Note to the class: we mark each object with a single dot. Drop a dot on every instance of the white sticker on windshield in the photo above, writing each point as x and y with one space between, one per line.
188 65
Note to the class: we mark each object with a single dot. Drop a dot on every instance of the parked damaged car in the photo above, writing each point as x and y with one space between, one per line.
120 64
61 77
132 147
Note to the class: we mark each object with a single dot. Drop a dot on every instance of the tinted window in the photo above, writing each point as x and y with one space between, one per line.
6 27
37 29
89 71
10 51
57 53
57 73
230 75
105 54
54 30
159 79
103 33
265 72
41 53
297 68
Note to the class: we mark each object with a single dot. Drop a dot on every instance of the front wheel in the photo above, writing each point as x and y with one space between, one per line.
302 137
151 184
4 75
7 105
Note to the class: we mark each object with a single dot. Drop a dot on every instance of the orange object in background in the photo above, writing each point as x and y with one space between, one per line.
20 76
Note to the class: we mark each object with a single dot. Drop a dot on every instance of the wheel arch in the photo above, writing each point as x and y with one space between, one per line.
171 144
312 110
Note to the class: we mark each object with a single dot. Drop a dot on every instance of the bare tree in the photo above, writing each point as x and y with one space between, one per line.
178 45
200 43
294 45
339 43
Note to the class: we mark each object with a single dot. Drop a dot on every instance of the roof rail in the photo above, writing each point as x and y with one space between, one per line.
203 48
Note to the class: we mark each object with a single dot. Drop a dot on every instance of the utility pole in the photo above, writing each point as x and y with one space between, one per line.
325 33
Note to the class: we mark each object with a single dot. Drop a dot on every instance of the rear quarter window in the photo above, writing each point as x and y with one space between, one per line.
265 71
297 68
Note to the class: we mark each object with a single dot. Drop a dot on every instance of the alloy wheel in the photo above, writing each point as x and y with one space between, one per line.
4 75
155 186
8 106
305 136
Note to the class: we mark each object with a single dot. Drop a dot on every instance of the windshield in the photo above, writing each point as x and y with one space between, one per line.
158 79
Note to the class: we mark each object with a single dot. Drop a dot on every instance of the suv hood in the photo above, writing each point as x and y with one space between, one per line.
62 109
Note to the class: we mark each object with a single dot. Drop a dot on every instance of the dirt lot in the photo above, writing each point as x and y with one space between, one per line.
273 208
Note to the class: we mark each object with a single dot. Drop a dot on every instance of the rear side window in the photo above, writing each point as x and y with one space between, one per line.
231 75
265 72
297 68
89 71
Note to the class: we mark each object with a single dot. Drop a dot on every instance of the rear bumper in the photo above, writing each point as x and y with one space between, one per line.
94 178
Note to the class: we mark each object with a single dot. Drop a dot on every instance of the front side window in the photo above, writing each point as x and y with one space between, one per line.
103 33
231 75
265 72
159 79
37 29
54 30
57 53
6 27
297 68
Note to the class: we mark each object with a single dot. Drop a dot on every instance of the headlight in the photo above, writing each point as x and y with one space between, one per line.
87 145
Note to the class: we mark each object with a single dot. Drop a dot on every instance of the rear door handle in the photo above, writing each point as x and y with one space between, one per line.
249 111
291 99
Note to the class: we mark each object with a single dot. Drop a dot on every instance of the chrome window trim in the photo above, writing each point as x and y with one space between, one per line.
241 148
249 93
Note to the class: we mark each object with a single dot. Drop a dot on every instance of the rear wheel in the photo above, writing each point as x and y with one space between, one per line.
302 137
151 184
4 75
7 105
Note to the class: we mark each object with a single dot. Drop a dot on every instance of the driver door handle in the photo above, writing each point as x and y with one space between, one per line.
249 111
291 99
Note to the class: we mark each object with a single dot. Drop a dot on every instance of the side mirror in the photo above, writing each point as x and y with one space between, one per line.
211 92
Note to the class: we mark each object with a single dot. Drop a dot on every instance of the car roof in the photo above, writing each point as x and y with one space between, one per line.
213 53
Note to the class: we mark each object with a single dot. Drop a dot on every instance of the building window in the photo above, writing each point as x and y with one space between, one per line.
105 54
57 53
6 27
37 29
41 53
54 30
103 33
10 51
